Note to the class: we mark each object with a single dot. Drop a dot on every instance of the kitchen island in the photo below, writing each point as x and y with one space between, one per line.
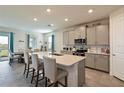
74 65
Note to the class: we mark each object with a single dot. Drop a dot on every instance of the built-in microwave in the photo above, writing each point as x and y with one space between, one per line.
79 41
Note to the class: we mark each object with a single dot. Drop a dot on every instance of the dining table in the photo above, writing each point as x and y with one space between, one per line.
18 53
21 54
74 65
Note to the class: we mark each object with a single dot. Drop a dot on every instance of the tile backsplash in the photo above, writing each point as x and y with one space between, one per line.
98 49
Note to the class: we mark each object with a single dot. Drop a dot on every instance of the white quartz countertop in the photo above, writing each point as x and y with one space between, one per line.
97 53
65 59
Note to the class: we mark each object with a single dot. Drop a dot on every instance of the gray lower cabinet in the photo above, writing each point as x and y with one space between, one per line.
100 62
98 35
90 61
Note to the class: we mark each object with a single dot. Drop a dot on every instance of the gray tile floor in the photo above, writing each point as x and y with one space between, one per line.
3 59
96 78
12 76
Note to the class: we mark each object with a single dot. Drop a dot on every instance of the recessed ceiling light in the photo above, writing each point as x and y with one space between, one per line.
51 24
66 19
35 19
48 10
90 10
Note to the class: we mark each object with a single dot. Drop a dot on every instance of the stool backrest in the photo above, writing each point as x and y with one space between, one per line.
35 61
26 57
50 68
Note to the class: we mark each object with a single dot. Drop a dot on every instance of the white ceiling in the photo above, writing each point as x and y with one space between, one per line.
21 17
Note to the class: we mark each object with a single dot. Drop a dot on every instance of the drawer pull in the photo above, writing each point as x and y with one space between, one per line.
113 54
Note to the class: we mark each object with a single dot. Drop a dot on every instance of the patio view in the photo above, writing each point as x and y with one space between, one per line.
3 48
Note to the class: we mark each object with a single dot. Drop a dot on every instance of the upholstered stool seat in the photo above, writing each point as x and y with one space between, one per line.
52 73
61 73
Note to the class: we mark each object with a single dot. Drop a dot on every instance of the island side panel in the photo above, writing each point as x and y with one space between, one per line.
76 74
81 73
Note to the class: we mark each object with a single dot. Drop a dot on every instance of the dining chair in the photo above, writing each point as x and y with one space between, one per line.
28 63
53 73
13 57
37 67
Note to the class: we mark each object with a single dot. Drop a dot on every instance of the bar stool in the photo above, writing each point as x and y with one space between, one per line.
13 57
53 73
28 63
37 67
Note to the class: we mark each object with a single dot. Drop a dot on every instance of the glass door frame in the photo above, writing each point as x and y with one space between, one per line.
7 35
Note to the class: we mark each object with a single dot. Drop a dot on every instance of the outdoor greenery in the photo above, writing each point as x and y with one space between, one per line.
3 53
3 50
3 46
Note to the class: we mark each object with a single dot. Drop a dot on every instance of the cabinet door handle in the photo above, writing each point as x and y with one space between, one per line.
113 54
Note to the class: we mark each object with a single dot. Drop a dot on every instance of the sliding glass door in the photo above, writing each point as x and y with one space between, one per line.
4 47
49 43
32 42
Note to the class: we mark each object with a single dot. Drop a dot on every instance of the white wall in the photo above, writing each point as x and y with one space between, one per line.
58 39
22 35
39 38
46 36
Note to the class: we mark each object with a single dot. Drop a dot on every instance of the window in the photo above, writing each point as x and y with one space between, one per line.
32 42
50 43
3 46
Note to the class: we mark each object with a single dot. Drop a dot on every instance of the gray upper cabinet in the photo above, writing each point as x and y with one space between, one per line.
82 32
65 38
91 36
98 35
102 35
71 37
76 34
